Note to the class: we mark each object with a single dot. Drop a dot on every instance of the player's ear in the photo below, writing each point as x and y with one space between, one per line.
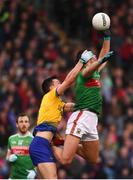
28 125
17 124
51 86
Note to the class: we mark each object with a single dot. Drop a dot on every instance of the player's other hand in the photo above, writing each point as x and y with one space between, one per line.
106 34
86 56
106 57
31 174
58 140
12 158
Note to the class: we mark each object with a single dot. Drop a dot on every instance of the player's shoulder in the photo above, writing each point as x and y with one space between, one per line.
30 135
13 136
27 135
53 91
50 94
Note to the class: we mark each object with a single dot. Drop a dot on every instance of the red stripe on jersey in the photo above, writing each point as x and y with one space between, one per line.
20 150
92 83
75 122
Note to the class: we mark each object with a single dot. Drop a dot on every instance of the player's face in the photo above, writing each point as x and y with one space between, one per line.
23 124
55 83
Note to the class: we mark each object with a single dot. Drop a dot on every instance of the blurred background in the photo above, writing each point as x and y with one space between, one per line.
39 38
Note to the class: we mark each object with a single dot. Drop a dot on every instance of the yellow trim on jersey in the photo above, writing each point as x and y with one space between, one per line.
51 108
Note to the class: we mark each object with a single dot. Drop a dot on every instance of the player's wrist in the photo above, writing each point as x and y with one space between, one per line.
82 61
106 38
107 34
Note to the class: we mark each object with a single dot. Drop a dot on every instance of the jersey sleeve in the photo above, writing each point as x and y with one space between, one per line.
9 144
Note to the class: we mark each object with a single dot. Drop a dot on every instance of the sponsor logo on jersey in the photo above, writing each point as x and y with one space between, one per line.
14 142
78 131
20 142
93 83
21 150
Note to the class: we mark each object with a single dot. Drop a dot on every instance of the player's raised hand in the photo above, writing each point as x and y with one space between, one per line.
106 34
86 56
58 140
106 57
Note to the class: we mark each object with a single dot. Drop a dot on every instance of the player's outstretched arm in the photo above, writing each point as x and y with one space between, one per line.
91 68
105 47
85 57
70 78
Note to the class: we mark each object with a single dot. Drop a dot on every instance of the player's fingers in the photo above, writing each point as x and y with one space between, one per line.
85 52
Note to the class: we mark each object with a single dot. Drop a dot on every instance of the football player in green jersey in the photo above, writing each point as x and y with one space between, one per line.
18 150
82 124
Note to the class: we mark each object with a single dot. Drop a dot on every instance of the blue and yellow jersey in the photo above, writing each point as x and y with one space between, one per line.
51 108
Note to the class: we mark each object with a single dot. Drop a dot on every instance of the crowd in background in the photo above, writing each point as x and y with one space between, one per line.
41 38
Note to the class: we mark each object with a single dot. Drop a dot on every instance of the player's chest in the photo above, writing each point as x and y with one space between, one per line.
20 146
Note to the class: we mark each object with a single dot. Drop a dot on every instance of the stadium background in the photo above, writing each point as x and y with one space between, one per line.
41 37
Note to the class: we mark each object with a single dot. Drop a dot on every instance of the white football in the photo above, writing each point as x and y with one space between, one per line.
101 21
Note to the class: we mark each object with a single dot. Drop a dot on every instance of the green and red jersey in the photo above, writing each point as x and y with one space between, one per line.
19 145
88 93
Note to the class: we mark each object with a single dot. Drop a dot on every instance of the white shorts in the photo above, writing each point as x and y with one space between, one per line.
83 124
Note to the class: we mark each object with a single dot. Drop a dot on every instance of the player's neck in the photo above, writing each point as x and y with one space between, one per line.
23 134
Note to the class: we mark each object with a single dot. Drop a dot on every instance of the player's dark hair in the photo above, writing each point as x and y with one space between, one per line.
47 83
21 115
78 55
